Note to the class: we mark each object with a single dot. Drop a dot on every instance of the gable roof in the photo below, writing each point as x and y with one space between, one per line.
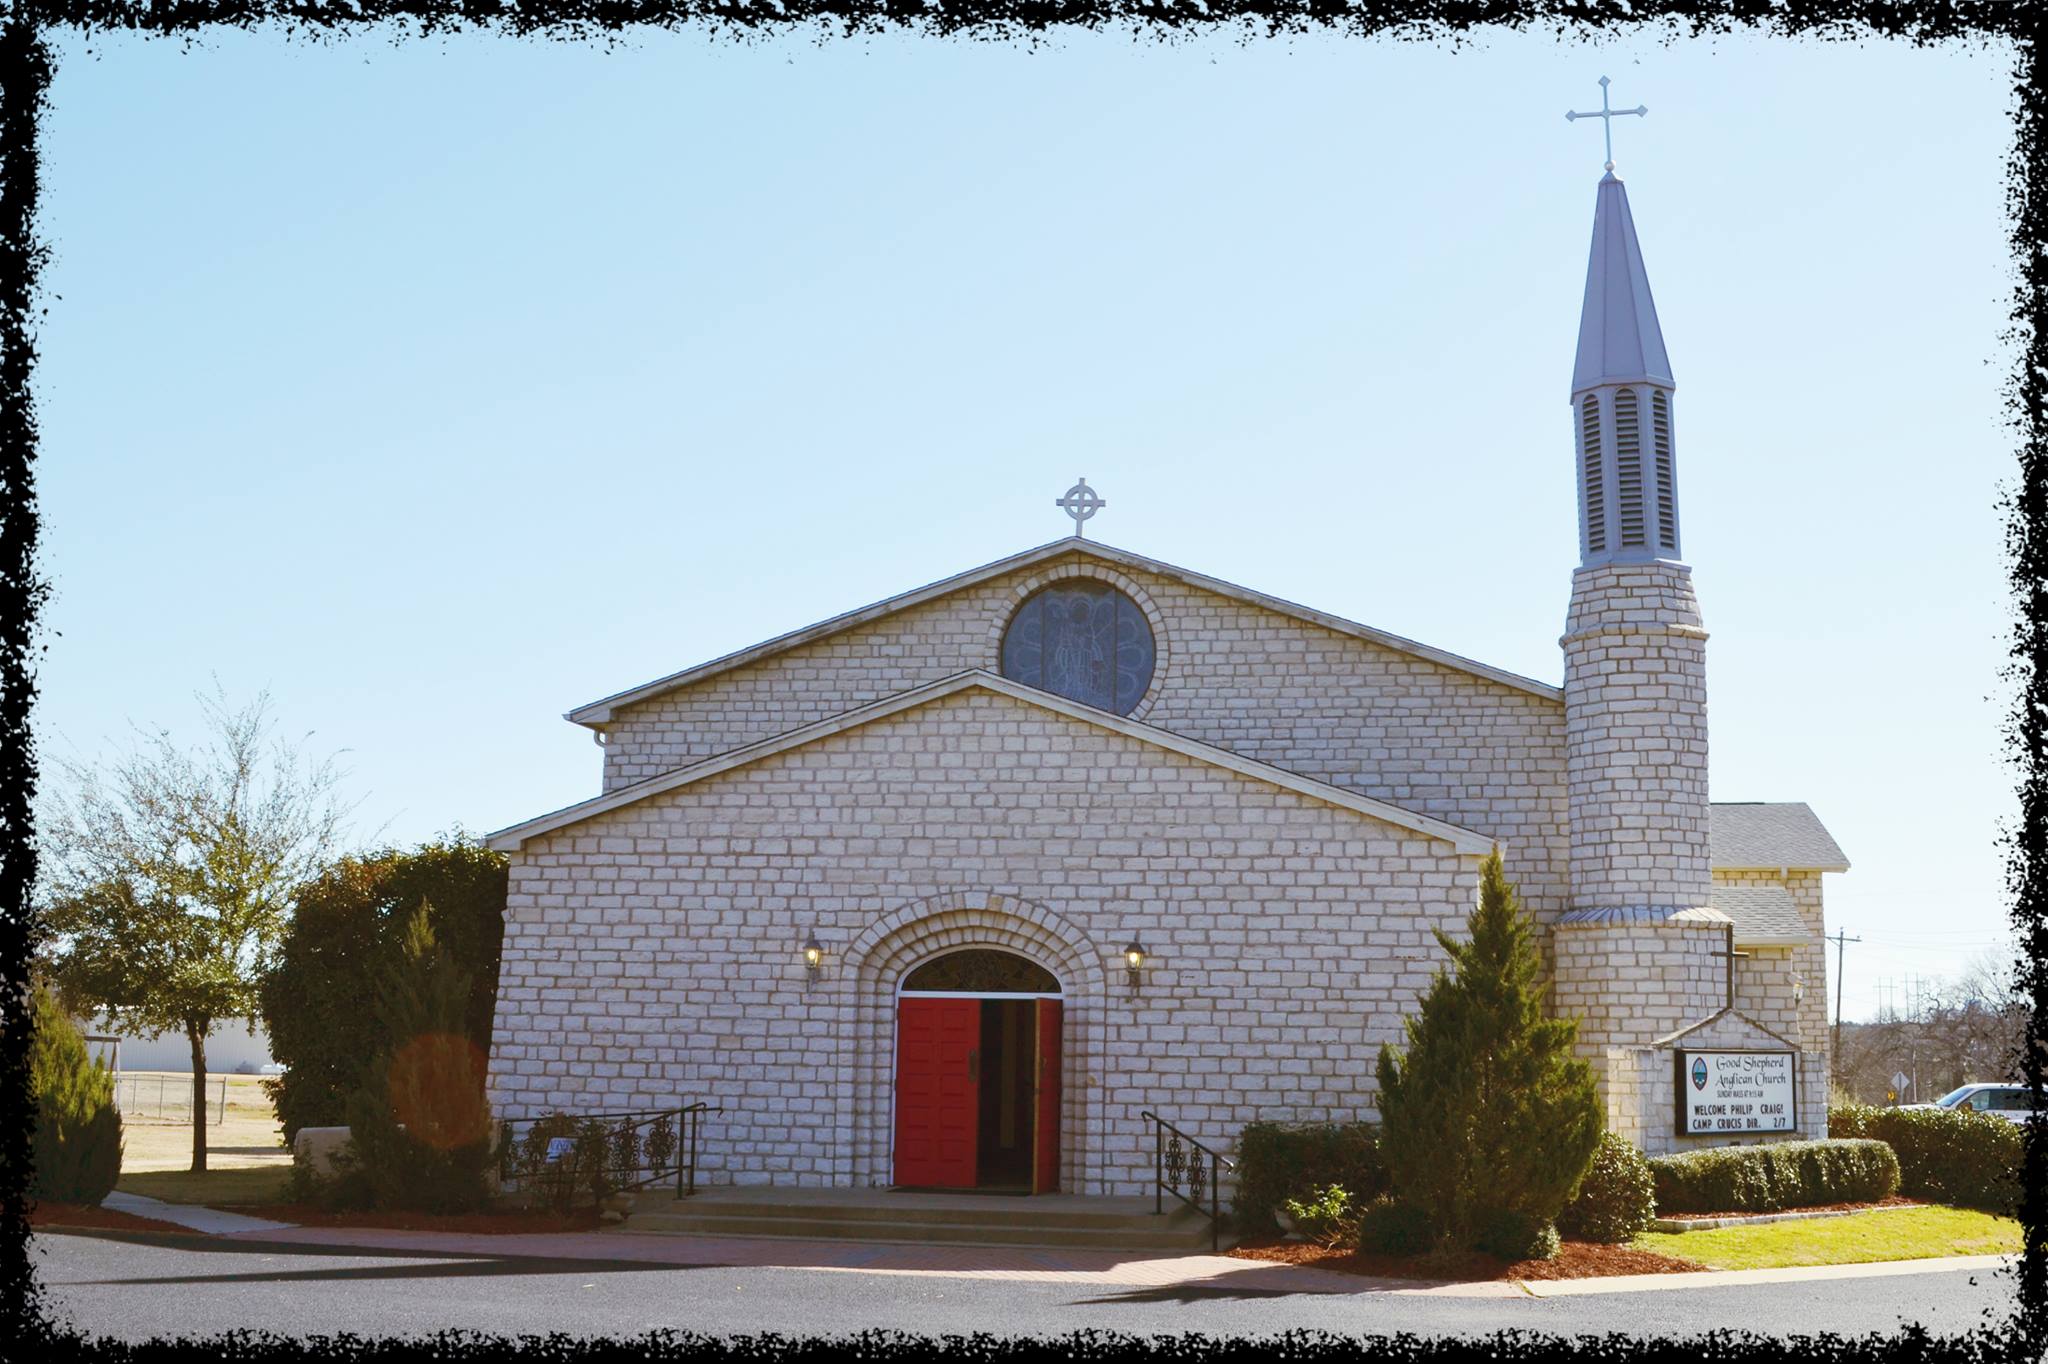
1671 1038
1764 836
1465 841
598 712
1764 916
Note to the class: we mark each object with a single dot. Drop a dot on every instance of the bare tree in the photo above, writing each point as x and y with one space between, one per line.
1966 1029
1976 1023
169 876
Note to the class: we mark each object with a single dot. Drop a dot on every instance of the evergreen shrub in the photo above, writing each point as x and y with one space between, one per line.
1391 1227
1513 1234
1488 1112
1971 1160
1617 1199
1767 1178
1281 1161
419 1127
347 932
77 1139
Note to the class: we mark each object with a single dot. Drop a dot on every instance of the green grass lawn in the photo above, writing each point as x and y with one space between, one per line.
1909 1234
219 1188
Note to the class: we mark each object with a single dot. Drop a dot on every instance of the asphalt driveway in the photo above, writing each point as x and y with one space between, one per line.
134 1287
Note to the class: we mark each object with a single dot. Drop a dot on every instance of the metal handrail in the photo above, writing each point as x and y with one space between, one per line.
633 1150
1170 1164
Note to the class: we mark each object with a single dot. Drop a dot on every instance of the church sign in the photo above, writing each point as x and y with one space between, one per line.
1732 1093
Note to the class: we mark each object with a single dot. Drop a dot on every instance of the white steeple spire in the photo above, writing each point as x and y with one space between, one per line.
1621 400
1619 339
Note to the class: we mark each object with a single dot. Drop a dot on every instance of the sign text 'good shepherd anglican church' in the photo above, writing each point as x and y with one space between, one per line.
1729 1093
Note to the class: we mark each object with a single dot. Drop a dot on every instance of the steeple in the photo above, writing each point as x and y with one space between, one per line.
1619 339
1621 400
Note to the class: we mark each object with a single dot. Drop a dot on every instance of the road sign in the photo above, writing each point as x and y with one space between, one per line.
1899 1080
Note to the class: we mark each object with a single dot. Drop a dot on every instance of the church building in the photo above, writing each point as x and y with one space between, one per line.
955 889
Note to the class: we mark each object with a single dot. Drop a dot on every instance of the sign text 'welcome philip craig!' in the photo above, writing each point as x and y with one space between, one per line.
1730 1093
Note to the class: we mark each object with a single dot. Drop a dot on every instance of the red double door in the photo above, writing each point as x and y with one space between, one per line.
940 1074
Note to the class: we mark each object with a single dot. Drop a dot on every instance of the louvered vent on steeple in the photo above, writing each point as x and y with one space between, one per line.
1667 490
1621 385
1593 474
1628 468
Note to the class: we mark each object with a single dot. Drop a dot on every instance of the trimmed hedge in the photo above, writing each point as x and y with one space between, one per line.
1968 1159
1785 1174
1279 1161
1616 1199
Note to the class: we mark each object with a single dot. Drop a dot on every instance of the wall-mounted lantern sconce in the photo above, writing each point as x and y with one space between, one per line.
1798 990
1134 959
814 955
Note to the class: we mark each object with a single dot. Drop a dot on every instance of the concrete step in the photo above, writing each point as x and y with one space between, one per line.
883 1215
989 1212
1191 1234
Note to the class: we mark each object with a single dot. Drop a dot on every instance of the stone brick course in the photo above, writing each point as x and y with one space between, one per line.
1636 738
651 953
1394 726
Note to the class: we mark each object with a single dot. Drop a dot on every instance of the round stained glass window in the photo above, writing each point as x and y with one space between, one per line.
1083 640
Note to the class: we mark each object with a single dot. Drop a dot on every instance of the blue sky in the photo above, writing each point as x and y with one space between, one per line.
440 387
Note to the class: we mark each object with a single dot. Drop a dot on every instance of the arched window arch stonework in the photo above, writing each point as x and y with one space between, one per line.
1030 585
877 961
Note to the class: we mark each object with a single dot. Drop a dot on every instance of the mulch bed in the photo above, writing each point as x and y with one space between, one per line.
98 1218
1895 1201
1575 1260
490 1223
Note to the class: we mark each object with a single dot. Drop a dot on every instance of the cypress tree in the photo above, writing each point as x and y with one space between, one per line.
78 1129
1489 1122
419 1125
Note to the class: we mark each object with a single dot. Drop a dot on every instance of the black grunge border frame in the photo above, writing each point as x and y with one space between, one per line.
25 73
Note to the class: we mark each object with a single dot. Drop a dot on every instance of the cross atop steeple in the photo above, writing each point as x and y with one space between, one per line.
1607 117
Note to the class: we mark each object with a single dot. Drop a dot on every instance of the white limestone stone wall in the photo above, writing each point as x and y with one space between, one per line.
1764 982
1642 1105
1636 738
652 953
1628 983
1400 728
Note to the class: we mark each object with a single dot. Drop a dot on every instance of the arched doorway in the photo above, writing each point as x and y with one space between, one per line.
978 1074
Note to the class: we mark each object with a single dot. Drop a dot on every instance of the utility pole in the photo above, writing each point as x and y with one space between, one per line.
1913 1017
1841 946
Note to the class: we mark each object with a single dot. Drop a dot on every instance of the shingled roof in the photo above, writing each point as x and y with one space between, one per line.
1764 916
1764 836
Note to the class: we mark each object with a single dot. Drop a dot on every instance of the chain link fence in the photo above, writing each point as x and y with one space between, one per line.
167 1098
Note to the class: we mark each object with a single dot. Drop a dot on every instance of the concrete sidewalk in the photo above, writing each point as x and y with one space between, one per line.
1102 1268
212 1221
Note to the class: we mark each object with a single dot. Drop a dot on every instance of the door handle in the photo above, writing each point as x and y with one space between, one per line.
974 1063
